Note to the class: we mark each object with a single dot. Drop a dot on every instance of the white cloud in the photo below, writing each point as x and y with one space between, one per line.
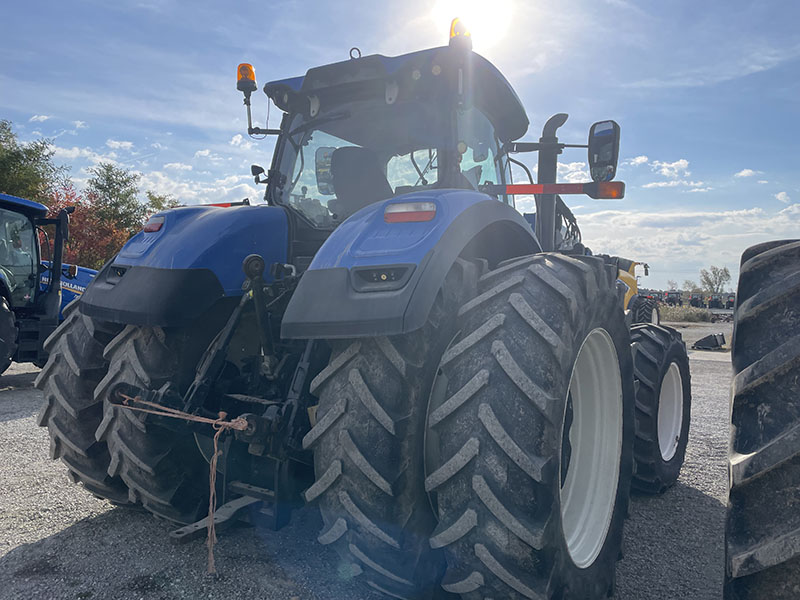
80 124
638 160
176 166
38 118
574 172
793 209
119 144
747 173
86 154
678 168
677 244
673 183
227 189
783 197
205 152
156 145
701 189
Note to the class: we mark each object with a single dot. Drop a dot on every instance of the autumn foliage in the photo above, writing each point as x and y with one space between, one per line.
93 239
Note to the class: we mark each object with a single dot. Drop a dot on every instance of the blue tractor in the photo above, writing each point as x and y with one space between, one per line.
29 311
451 386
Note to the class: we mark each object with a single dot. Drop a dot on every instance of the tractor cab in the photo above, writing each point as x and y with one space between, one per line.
372 128
19 251
31 309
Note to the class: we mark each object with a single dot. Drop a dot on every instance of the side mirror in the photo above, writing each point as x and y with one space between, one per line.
603 150
322 167
256 171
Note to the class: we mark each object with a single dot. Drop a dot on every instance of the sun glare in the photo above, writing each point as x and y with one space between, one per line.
487 21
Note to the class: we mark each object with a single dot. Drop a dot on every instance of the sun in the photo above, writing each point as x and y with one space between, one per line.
488 22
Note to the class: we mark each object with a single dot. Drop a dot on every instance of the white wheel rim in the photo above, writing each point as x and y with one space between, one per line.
654 316
590 486
670 412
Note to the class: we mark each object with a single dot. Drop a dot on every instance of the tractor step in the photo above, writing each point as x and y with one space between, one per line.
225 516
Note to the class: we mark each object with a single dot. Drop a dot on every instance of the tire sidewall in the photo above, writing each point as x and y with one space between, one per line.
669 469
580 582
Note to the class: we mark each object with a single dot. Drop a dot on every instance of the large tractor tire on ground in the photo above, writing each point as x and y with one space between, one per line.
647 311
163 468
70 412
663 406
762 532
8 335
368 449
530 440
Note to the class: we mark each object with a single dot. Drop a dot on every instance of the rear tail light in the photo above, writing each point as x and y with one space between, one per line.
154 224
409 212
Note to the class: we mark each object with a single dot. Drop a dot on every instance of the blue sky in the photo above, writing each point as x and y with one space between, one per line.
707 95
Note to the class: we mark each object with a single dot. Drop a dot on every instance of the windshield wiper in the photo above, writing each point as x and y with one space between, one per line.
319 121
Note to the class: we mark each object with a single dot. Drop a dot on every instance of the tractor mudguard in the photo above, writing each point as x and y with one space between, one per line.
376 278
172 276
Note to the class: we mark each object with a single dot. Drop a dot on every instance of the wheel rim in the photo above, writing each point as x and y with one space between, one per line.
670 412
654 316
589 490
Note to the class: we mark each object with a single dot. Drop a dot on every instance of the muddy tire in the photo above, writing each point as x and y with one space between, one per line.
70 412
8 335
163 469
762 532
368 450
663 406
515 384
647 312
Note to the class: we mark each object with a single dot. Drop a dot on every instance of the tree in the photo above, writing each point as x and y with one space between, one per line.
714 279
691 286
27 170
673 285
159 202
93 240
114 193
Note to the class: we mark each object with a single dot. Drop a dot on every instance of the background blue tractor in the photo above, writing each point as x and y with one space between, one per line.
453 388
30 288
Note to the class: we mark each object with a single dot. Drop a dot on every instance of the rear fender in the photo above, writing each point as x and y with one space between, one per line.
375 278
173 276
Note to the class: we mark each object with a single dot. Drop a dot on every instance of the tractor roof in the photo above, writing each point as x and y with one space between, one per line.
27 207
492 92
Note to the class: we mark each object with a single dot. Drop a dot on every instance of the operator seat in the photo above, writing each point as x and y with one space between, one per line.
358 180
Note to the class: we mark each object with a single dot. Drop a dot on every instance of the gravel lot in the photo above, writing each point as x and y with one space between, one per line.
58 542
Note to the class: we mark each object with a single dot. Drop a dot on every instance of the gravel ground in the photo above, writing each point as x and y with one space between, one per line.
58 542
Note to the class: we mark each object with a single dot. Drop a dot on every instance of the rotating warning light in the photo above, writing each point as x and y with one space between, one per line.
460 35
246 78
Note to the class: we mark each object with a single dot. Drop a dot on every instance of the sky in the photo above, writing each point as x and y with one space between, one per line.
707 95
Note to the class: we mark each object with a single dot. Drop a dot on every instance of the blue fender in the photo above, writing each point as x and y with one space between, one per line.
71 288
172 276
376 278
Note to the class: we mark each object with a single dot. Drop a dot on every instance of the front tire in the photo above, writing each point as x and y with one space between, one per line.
8 335
762 530
368 450
530 440
663 406
647 312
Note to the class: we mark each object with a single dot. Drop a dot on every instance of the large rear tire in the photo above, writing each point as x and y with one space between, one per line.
647 312
530 435
368 450
663 406
762 534
163 468
70 412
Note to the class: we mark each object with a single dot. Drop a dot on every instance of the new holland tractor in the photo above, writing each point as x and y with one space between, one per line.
30 287
453 389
